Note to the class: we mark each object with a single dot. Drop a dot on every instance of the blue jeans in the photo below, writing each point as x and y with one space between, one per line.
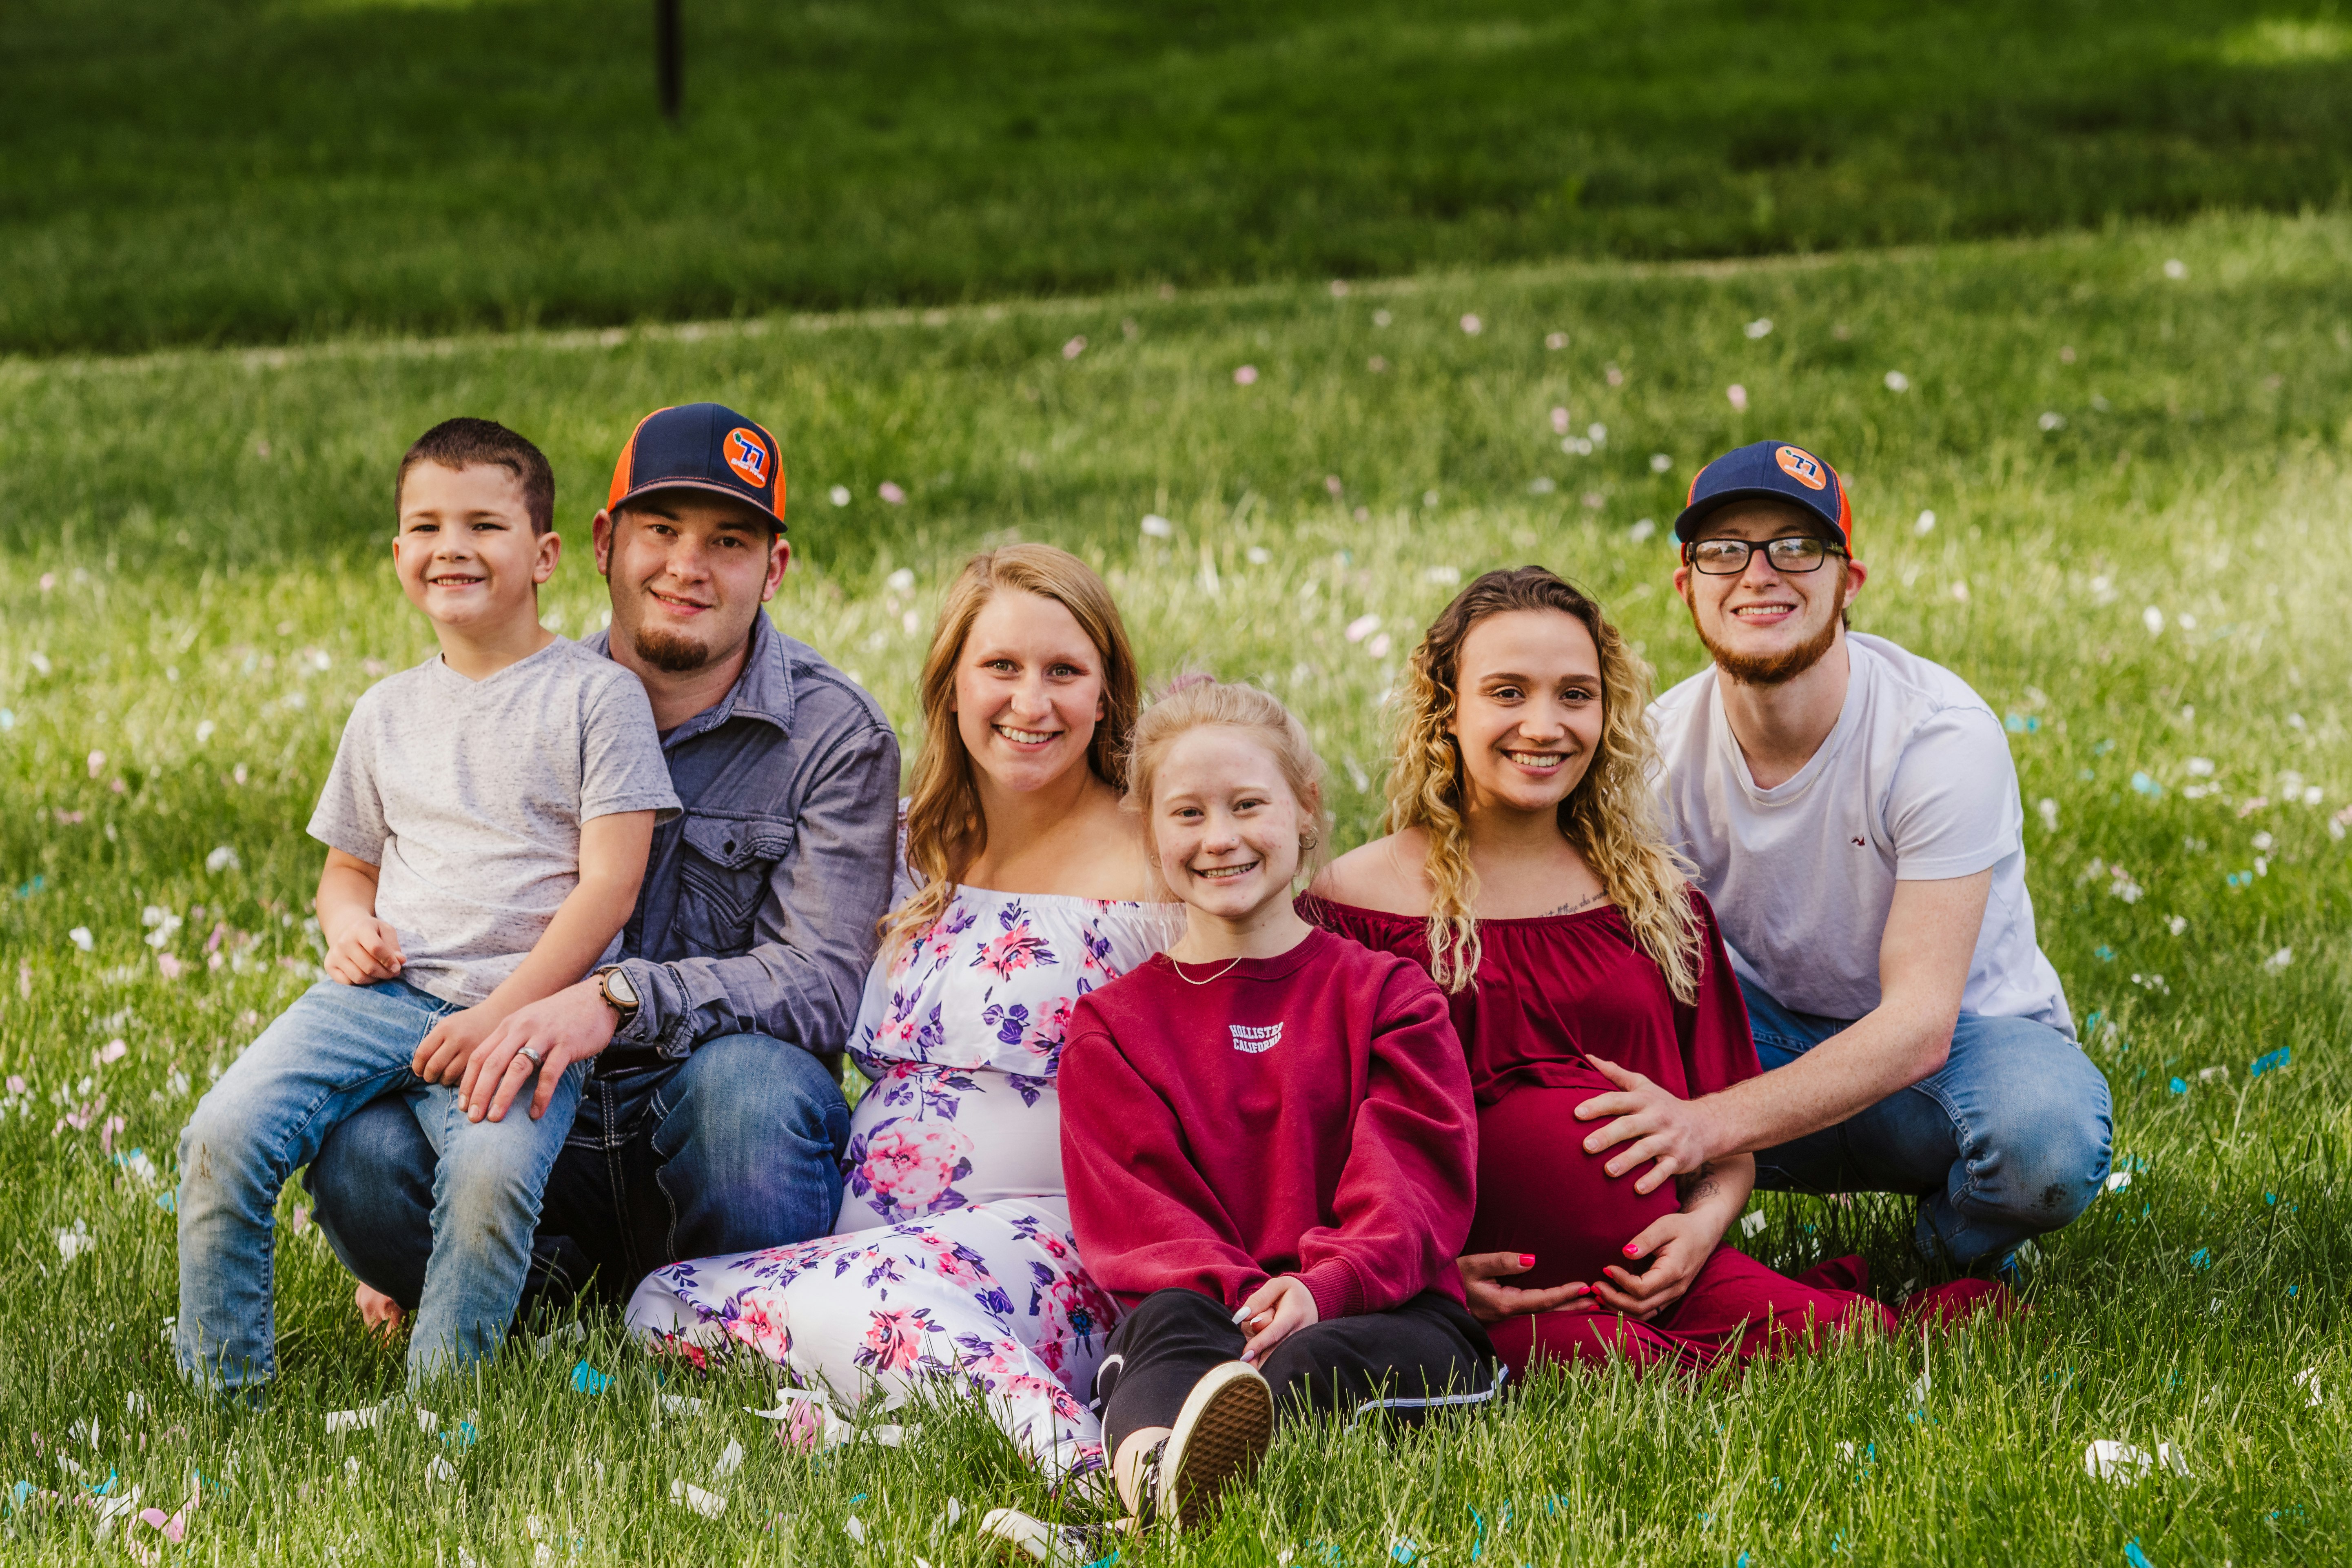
336 1049
736 1148
2008 1140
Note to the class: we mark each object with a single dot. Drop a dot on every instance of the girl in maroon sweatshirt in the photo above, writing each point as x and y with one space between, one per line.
1267 1134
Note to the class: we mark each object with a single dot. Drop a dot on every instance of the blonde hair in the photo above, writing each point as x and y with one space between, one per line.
1193 701
945 830
1612 816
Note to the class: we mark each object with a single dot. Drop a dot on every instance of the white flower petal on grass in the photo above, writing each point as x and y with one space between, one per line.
1926 525
97 763
72 1244
2051 420
2175 925
2153 619
1471 325
1074 347
221 859
1157 526
2048 810
1363 626
1541 486
2199 767
709 1505
1445 575
1555 340
1752 1224
2118 1181
1898 382
902 581
1736 395
1660 462
2173 1459
2108 1460
1761 327
679 1405
2276 962
1961 589
2308 1381
1641 529
729 1460
204 728
2176 269
1379 646
440 1472
839 495
853 1527
79 936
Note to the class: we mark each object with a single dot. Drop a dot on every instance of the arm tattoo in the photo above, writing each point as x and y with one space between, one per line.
1697 1185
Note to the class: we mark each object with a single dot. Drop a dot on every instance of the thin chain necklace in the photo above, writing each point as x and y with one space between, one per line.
1178 966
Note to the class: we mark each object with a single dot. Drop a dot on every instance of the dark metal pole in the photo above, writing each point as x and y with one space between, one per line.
668 66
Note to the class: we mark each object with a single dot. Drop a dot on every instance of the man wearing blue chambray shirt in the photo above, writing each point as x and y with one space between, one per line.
711 1121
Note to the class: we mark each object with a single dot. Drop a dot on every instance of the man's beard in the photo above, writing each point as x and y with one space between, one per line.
1778 669
670 652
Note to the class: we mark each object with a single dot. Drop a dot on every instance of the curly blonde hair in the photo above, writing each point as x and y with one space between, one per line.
1612 816
1192 702
945 830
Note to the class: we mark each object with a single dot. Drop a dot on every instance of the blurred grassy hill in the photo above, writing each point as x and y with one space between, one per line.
254 171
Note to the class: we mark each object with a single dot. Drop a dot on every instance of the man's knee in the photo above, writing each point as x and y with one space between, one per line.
2053 1134
736 1095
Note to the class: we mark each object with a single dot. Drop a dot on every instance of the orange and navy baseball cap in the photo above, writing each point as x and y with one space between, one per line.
1770 471
702 447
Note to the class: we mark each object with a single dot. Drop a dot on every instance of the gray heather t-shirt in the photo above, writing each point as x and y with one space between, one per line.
469 795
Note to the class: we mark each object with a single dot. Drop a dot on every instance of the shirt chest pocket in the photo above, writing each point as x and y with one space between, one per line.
725 864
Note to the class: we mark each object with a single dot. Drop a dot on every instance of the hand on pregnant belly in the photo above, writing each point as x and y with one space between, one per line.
1676 1245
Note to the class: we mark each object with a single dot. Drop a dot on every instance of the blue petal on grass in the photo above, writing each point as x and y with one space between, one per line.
2181 1086
2201 1258
2271 1062
2134 1555
586 1379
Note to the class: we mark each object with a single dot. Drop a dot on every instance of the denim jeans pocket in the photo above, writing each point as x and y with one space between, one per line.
723 878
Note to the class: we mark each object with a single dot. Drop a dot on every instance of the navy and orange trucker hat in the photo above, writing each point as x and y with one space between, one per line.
702 447
1768 470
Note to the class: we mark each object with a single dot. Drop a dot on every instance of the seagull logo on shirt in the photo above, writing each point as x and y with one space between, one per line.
1254 1038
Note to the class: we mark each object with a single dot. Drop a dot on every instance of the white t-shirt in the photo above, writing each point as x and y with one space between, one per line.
1914 784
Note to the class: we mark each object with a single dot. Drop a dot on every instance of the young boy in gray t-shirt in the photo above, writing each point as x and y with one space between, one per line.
486 823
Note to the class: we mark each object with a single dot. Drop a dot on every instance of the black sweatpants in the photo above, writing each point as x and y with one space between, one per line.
1426 1355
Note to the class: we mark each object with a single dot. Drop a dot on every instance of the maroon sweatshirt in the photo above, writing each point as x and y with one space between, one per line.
1306 1114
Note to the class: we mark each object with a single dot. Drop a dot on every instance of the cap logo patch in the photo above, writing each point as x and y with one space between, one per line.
747 456
1801 466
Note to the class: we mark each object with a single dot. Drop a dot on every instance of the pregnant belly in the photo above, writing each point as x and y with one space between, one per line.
1540 1192
925 1139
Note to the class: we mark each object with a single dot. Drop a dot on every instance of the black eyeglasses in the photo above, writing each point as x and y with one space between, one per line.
1729 557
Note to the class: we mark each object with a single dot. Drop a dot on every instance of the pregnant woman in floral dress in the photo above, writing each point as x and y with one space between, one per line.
952 1256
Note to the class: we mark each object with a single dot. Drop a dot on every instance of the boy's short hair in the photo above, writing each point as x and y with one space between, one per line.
462 442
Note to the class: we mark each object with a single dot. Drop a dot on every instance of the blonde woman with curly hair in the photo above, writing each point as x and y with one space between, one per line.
1029 887
1524 868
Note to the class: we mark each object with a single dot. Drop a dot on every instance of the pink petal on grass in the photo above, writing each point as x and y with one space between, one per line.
1245 375
1738 394
892 493
1472 325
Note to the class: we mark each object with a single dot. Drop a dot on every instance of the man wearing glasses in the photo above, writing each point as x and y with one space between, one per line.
1853 815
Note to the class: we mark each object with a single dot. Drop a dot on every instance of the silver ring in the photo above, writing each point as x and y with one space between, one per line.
530 1051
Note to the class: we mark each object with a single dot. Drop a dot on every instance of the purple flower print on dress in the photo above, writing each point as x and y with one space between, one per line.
1010 1024
1030 1089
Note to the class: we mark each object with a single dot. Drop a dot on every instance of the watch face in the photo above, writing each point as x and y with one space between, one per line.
618 990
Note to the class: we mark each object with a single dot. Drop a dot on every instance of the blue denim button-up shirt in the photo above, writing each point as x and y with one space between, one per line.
761 901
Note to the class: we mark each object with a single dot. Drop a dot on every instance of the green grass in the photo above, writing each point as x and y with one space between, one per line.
193 548
178 170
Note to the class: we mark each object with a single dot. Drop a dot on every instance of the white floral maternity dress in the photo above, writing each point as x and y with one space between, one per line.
953 1256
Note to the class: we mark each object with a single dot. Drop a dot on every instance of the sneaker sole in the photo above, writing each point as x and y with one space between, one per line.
1219 1439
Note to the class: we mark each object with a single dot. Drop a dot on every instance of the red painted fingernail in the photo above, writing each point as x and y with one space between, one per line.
1632 1250
1526 1261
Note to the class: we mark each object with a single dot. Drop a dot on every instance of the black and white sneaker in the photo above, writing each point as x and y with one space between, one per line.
1220 1438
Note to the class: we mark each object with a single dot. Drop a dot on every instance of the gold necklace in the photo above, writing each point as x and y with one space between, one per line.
1178 966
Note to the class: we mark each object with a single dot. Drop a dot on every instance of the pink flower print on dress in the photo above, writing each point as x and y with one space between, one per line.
894 1342
1016 950
757 1324
912 1165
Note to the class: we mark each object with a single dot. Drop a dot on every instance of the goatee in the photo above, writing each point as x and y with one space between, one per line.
1777 669
670 652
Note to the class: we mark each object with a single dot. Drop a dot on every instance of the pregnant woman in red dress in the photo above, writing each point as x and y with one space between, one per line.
1524 868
